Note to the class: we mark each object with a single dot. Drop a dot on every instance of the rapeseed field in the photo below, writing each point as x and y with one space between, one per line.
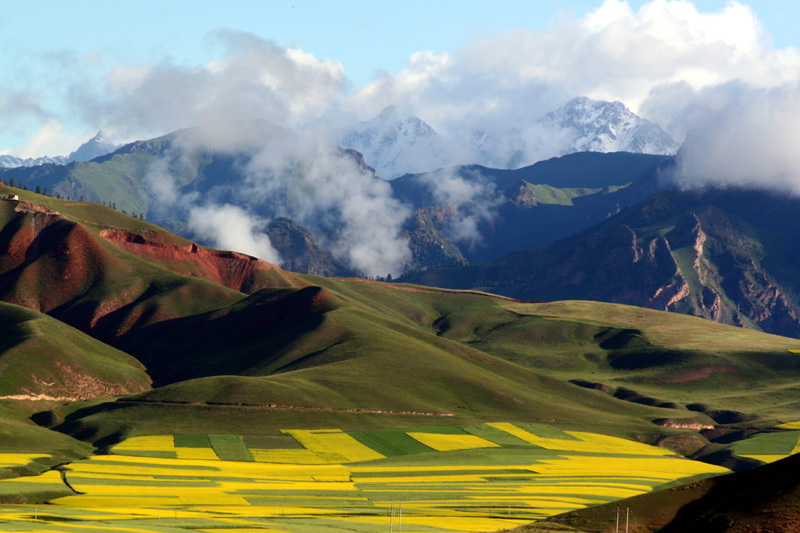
425 480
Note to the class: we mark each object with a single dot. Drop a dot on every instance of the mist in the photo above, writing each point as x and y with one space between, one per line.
302 177
740 135
473 198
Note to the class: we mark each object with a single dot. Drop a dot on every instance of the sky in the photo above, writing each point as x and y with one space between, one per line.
141 69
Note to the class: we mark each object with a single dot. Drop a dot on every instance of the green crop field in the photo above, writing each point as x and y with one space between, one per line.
426 479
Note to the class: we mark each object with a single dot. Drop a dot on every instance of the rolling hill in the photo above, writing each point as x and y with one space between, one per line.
216 327
176 339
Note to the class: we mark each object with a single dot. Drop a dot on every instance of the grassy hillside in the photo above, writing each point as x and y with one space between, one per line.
45 363
375 355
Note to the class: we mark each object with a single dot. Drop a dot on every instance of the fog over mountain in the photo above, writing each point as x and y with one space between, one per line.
717 86
715 73
395 144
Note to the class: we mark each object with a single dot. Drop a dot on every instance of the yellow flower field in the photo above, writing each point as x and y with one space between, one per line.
587 442
155 443
334 446
341 484
18 459
196 453
306 457
448 443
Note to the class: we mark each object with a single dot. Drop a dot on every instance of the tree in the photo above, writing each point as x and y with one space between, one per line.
11 182
38 190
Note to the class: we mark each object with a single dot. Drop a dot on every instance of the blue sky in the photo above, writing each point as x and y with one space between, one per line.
52 65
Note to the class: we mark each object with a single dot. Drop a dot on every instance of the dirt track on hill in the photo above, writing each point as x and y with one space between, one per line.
285 406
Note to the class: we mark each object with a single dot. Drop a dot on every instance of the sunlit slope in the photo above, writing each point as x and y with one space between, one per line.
54 260
43 363
369 352
298 345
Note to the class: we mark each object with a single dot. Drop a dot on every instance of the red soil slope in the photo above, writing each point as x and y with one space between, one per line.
234 270
52 264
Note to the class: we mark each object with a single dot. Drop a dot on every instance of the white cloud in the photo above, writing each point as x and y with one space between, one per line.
51 139
354 212
255 79
230 227
473 198
743 135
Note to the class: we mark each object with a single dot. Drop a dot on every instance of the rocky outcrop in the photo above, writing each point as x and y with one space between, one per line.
707 265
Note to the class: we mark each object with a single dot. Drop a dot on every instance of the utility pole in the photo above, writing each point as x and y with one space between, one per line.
391 519
617 529
627 515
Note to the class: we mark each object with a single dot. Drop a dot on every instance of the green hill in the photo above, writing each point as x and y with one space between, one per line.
240 346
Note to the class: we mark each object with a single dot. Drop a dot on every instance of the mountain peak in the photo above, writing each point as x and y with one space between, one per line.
95 147
388 113
600 126
395 144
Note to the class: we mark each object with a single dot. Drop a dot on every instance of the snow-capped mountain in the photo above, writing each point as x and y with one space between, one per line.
94 147
10 161
598 126
395 145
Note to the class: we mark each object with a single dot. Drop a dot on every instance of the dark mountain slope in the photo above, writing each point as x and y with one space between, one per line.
512 210
720 253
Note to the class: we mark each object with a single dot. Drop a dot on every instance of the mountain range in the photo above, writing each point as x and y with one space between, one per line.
717 252
396 145
95 147
601 226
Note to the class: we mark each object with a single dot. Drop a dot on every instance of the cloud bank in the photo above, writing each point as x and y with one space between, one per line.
304 178
665 61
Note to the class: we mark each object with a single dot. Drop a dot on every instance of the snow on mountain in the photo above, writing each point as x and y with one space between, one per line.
10 161
598 126
95 147
394 145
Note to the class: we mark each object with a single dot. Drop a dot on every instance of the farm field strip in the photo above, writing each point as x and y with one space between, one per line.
771 445
446 480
